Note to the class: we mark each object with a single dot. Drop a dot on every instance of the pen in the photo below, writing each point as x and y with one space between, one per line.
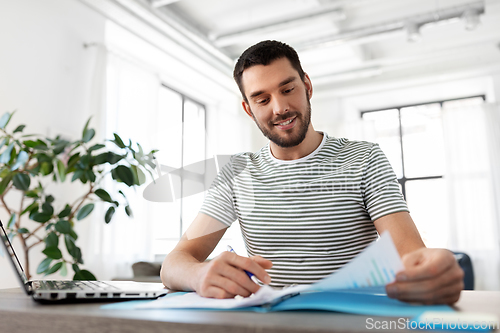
250 275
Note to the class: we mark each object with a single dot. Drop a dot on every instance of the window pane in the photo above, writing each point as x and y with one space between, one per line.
169 128
382 127
466 102
423 143
428 204
194 133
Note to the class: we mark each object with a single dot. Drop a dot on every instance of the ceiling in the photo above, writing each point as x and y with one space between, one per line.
344 43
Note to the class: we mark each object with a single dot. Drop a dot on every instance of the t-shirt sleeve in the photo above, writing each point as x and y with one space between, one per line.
381 193
219 202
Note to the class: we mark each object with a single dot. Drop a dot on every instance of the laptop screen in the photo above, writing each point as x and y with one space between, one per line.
9 251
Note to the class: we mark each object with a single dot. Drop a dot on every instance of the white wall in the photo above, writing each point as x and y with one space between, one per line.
45 74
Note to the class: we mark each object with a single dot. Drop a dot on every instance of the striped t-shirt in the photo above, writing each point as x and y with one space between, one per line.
309 216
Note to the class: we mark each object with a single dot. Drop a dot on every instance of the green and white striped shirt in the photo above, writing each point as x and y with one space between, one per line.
309 216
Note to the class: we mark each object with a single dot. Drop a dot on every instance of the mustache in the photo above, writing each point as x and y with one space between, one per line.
285 116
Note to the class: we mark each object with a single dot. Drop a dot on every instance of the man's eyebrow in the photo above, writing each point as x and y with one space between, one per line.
282 83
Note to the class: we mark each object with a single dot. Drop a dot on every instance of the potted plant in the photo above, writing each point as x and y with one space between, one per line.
29 163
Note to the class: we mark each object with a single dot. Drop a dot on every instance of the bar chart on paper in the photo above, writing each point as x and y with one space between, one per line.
377 265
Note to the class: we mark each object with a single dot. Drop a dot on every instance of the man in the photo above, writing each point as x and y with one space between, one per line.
307 203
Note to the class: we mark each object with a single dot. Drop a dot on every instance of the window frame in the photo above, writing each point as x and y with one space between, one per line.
403 180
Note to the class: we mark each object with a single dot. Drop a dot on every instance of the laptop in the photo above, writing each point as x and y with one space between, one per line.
46 291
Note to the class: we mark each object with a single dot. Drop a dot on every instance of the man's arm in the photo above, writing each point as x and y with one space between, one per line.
222 277
431 276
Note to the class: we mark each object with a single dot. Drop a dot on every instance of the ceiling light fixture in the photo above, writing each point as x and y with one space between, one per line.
413 32
471 18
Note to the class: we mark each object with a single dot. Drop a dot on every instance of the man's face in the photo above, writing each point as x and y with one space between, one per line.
278 101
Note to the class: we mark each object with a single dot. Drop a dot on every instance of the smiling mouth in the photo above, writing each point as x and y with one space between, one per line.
286 122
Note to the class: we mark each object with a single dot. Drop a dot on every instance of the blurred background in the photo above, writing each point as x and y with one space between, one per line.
419 77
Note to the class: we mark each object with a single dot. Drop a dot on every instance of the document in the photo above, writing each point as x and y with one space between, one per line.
376 266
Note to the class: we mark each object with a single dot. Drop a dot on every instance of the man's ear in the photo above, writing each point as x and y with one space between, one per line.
246 107
308 84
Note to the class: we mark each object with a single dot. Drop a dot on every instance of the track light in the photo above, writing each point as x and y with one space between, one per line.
471 18
413 32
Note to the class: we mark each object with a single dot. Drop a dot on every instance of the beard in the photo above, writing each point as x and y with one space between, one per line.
284 140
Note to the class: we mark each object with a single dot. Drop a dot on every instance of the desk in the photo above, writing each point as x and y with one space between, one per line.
19 313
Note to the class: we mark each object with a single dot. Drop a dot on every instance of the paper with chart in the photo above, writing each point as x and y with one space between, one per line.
377 265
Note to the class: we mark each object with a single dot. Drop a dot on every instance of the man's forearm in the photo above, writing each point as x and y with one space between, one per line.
178 271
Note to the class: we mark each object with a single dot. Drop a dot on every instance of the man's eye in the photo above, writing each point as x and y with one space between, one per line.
262 101
287 91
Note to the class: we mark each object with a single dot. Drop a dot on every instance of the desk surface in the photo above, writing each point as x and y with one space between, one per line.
19 313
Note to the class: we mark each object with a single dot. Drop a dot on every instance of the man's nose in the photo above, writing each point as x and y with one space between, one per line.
280 106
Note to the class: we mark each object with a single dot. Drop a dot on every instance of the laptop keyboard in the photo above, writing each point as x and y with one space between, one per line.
76 285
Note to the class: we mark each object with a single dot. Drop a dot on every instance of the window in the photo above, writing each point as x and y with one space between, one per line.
412 139
181 141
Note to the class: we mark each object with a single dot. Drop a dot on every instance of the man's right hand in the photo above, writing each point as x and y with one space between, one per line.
224 276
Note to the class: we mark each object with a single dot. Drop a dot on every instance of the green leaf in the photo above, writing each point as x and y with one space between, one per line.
88 135
30 208
84 275
108 157
65 212
32 194
40 217
128 210
109 214
90 175
22 181
5 157
71 247
84 211
23 231
54 268
53 252
21 160
12 220
49 199
75 267
96 147
103 195
63 226
44 265
30 143
86 126
19 128
124 174
77 175
5 119
52 240
46 168
61 170
64 269
73 234
73 160
139 177
118 141
47 208
5 182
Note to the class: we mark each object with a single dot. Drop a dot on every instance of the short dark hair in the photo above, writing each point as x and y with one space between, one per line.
264 53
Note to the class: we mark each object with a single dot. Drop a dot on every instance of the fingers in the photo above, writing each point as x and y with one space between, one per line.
425 264
431 276
225 276
250 265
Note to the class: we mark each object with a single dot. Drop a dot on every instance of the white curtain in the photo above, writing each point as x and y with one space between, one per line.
472 139
130 110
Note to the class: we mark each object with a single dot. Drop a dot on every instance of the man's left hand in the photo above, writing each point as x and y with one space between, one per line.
431 276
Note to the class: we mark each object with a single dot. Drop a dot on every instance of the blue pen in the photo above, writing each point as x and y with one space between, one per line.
250 275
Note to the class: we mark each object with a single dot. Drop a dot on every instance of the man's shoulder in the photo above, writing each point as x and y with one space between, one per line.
345 145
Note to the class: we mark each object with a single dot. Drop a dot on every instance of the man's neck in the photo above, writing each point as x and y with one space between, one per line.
308 145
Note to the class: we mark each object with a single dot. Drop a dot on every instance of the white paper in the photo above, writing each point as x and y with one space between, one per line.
377 265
